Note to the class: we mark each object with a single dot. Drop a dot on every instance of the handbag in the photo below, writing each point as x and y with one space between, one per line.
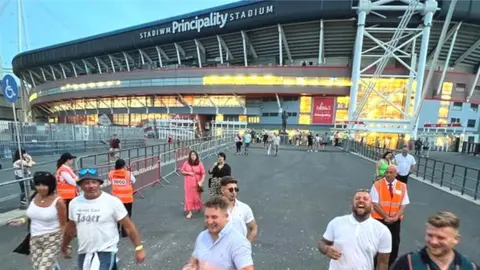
24 247
199 188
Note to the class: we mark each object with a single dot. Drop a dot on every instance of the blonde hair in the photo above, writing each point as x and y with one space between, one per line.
444 219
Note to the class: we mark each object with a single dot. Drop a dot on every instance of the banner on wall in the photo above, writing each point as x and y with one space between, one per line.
323 112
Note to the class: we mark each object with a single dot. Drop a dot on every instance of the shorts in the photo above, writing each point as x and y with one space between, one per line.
108 260
310 143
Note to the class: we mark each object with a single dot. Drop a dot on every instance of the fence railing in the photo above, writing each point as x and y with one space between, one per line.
471 148
7 149
67 132
461 179
142 161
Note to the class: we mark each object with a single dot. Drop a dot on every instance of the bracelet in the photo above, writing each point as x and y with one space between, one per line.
138 248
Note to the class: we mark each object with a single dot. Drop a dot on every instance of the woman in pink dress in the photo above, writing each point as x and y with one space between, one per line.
194 173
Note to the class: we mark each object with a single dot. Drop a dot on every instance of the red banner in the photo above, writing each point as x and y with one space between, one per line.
323 110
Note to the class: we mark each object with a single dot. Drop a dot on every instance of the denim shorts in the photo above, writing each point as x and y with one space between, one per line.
108 260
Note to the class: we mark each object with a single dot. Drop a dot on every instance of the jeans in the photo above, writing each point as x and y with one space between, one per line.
108 260
23 196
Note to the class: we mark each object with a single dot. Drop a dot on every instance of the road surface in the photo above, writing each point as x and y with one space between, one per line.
293 197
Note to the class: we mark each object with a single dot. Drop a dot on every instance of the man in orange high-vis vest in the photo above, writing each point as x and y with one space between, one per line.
66 178
122 187
389 197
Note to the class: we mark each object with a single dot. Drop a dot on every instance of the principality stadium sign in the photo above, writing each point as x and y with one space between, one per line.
214 19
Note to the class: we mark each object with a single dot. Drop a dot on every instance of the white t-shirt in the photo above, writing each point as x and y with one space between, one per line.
358 242
96 222
404 163
240 215
276 140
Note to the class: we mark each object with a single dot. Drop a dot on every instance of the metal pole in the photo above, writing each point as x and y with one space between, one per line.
356 65
19 146
447 61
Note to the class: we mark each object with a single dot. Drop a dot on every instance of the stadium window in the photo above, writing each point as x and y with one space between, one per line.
253 119
292 114
305 119
305 105
265 114
457 106
460 87
273 114
242 118
471 123
454 120
474 107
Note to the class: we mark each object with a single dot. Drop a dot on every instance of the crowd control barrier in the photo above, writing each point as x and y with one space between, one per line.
462 180
173 160
147 173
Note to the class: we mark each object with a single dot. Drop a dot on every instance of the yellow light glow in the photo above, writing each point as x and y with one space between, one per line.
304 119
305 104
33 97
275 80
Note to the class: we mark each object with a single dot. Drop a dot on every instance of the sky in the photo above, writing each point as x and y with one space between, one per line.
49 22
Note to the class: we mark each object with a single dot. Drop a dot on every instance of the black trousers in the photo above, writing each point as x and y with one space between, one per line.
239 146
403 178
394 229
121 230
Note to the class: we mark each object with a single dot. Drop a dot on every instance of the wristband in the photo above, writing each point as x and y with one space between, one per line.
138 248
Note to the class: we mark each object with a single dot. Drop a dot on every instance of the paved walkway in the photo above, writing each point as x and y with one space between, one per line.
293 197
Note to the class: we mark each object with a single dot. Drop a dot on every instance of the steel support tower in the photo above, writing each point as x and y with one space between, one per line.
369 66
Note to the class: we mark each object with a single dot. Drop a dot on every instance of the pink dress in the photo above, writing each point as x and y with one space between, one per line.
193 198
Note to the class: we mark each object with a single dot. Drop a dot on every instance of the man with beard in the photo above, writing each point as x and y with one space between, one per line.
220 246
352 241
389 197
239 213
441 236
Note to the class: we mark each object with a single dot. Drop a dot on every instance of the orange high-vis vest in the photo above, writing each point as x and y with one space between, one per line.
121 185
390 205
64 189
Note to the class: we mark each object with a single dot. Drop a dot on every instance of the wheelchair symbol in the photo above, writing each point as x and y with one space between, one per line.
9 93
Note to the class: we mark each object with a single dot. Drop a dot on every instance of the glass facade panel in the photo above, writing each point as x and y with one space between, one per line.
119 102
304 119
137 102
305 105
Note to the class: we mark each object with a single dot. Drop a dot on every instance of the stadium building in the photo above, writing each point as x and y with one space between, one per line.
328 64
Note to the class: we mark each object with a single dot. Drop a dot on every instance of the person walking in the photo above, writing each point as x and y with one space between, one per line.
93 216
217 171
122 182
247 138
270 138
47 217
405 165
353 241
390 197
238 143
194 173
382 164
66 178
442 234
22 162
220 246
239 213
276 143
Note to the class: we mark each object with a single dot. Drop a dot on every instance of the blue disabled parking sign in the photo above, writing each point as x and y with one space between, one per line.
10 89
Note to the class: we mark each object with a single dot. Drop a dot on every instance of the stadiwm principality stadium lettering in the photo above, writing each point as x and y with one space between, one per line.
214 19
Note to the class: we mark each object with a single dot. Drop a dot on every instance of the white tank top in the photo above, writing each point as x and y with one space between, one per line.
43 219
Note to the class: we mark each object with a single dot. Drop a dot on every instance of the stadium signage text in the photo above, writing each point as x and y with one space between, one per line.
214 19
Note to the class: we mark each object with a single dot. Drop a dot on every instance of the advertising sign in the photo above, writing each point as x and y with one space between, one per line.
323 112
214 19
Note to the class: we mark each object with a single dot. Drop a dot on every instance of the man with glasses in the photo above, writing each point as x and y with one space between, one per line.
240 214
389 197
94 216
353 241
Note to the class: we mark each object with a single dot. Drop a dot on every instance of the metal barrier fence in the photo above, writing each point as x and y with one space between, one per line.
471 148
150 163
455 177
8 149
67 132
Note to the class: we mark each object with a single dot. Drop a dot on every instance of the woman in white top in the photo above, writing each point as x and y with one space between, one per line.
20 173
47 216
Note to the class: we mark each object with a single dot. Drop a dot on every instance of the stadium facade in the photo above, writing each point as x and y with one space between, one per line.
328 64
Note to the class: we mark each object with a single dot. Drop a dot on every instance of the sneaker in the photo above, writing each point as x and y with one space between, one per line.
24 201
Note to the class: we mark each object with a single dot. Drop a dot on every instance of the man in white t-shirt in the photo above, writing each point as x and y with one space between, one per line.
240 214
352 241
405 165
94 216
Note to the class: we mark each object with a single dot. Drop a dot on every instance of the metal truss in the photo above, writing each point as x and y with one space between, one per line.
401 48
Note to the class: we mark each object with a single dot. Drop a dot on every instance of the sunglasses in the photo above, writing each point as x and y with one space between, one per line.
39 174
83 172
363 190
234 189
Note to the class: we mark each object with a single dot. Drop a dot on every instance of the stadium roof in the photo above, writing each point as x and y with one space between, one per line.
243 15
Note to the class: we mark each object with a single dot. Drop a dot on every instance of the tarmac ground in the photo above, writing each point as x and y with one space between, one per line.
293 195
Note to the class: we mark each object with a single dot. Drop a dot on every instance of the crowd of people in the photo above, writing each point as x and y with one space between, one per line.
71 204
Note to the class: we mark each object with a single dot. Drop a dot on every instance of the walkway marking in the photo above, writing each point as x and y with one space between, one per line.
427 182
